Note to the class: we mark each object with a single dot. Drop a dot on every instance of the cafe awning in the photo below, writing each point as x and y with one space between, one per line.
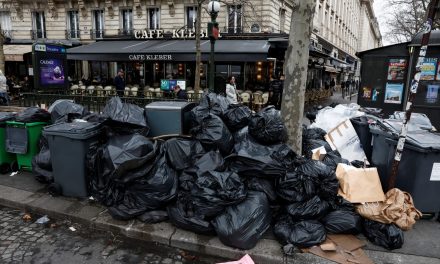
170 50
15 52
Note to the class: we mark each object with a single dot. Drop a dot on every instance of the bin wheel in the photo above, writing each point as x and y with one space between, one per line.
55 189
5 168
14 166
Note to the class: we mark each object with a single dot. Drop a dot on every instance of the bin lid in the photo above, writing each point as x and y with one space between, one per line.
6 116
168 105
424 139
76 130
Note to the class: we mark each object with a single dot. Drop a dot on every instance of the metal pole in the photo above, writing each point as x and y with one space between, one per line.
211 66
426 30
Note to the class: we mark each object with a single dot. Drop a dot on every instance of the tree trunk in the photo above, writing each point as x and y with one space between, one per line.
296 61
198 51
2 54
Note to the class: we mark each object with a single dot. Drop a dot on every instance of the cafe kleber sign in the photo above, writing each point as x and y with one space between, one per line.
177 34
150 57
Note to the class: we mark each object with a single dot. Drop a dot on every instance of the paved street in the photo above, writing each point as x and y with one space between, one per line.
27 242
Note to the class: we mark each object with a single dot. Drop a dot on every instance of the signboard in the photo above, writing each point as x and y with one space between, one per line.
396 69
176 34
393 93
428 72
168 85
150 57
49 67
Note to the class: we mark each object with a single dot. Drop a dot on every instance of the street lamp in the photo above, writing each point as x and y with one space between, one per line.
213 32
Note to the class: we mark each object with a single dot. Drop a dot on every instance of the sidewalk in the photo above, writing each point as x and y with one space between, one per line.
422 244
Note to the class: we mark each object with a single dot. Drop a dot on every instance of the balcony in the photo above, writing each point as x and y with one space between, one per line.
73 34
97 33
38 34
125 32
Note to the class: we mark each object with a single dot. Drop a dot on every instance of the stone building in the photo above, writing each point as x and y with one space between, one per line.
104 33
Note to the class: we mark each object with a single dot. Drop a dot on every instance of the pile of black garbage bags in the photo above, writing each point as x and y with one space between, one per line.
235 177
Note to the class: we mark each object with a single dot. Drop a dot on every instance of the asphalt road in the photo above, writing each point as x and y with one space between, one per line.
24 241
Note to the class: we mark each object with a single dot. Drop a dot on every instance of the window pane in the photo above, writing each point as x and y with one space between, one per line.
191 15
154 18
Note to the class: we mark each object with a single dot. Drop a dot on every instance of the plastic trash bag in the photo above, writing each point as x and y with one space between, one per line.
152 217
311 144
6 116
418 120
242 225
267 126
181 153
343 222
237 117
388 236
33 114
216 103
125 118
296 187
283 228
213 191
329 118
314 208
313 133
182 215
213 134
307 234
333 158
339 203
328 184
41 163
262 185
65 111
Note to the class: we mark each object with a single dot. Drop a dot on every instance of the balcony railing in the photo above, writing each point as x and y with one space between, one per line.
73 34
97 33
38 34
125 32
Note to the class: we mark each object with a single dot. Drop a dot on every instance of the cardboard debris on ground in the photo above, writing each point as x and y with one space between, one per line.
348 250
319 153
244 260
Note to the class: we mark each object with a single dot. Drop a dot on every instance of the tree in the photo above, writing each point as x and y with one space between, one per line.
296 60
2 54
406 18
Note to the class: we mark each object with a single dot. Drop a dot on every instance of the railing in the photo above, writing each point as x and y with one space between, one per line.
97 33
91 103
73 34
38 33
125 32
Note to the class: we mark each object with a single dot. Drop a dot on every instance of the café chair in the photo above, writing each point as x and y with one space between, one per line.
245 98
99 90
265 97
134 91
91 90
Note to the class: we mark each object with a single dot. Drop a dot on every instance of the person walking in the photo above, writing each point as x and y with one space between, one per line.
231 90
120 83
343 89
275 90
332 85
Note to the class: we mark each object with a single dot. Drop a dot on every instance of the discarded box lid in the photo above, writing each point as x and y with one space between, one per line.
77 130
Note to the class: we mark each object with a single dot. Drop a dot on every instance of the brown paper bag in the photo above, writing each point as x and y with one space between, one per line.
359 185
398 208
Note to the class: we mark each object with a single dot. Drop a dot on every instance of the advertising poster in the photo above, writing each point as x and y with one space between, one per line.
182 84
173 84
393 93
164 84
396 69
366 93
432 93
428 67
438 71
51 72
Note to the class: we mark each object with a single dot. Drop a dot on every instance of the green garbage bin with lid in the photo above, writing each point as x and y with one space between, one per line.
6 159
22 139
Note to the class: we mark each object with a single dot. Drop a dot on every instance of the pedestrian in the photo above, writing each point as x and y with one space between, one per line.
343 89
120 83
231 90
276 90
332 85
180 94
4 97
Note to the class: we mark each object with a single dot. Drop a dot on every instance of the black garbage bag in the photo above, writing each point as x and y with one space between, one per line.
213 191
94 118
65 111
328 184
283 229
237 117
310 144
267 126
264 186
41 163
359 164
343 222
150 192
312 209
6 116
181 153
33 114
213 134
242 225
152 217
216 103
313 133
340 204
333 158
296 187
306 234
388 236
182 214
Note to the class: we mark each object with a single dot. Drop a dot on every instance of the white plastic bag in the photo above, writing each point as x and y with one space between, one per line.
328 118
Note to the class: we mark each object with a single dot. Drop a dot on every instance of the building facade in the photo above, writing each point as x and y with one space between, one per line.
341 28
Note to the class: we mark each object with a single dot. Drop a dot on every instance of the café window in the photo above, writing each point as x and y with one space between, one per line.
98 24
38 25
153 18
282 19
73 24
5 23
127 21
191 16
235 18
